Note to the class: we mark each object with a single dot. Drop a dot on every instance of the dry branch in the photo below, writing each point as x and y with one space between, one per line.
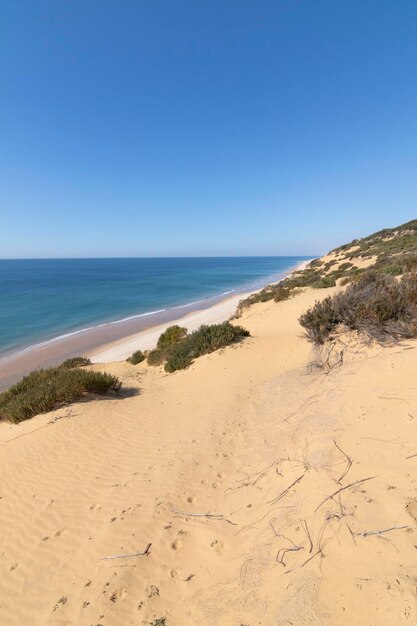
307 532
281 495
215 516
367 533
305 562
127 556
281 553
349 462
357 482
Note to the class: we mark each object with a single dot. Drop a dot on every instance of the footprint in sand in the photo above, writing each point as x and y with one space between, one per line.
176 545
152 591
62 600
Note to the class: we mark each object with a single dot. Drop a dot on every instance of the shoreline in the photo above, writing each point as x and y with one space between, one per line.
112 339
147 339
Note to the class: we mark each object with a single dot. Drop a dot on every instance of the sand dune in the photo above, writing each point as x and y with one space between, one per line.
250 435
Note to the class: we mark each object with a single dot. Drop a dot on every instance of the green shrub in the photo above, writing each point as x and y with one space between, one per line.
344 266
157 356
325 282
281 294
203 341
171 335
345 281
75 361
43 390
375 304
136 357
315 263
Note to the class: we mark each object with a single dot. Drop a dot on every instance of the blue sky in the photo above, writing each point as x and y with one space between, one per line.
131 128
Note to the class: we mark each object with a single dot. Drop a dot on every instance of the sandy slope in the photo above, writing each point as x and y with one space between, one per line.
247 433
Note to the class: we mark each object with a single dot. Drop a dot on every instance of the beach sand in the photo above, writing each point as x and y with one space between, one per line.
118 339
310 476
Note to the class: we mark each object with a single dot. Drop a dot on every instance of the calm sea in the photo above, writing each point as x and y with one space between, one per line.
45 298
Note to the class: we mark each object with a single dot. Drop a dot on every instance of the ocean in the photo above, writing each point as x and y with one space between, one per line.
44 299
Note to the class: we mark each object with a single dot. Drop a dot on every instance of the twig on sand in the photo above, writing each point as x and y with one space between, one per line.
281 553
357 482
305 562
127 556
307 532
281 495
245 482
411 456
367 533
349 462
214 516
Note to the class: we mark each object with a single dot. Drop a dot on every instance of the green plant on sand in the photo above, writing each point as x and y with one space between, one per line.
136 358
75 361
377 305
171 335
203 341
45 389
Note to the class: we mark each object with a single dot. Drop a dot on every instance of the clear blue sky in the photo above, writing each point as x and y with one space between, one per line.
137 128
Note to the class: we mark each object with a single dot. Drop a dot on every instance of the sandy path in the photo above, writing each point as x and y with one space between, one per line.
229 436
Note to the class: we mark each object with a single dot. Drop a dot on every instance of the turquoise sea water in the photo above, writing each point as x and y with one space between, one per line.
46 298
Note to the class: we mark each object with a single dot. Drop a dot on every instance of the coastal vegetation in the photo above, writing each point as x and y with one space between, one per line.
136 358
392 251
203 341
46 389
75 361
177 350
170 336
376 304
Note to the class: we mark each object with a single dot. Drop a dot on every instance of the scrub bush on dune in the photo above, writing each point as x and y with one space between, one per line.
157 356
171 335
45 389
75 361
136 358
377 305
203 341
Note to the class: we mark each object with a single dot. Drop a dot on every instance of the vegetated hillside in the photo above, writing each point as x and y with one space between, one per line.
391 251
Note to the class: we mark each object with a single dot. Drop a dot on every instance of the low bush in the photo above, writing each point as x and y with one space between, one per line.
281 294
45 389
203 341
375 304
325 282
171 335
136 357
157 356
75 361
345 266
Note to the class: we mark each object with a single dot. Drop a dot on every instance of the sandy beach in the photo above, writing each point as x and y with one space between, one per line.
260 491
117 340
